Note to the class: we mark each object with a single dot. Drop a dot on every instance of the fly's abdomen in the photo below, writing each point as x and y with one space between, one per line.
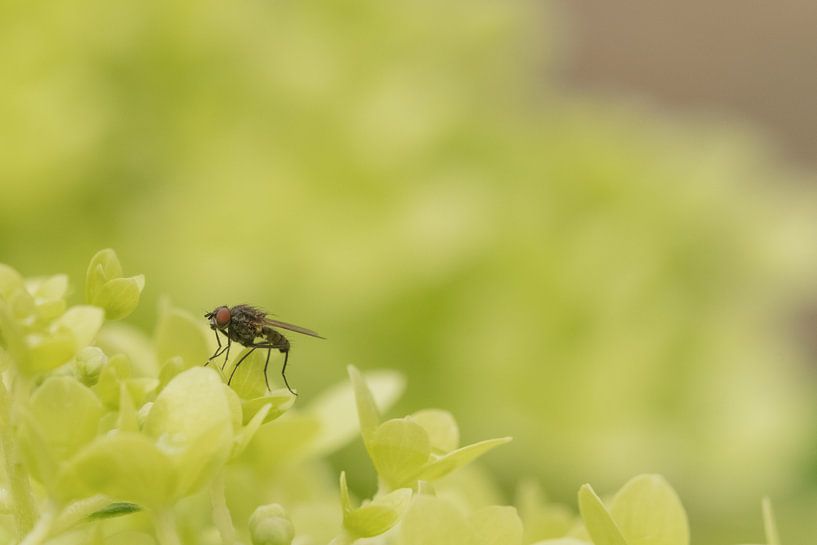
275 338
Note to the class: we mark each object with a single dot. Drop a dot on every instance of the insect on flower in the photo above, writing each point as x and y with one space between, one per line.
251 327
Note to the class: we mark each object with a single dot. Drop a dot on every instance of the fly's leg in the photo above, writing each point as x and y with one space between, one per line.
285 352
266 364
244 357
284 370
218 351
227 357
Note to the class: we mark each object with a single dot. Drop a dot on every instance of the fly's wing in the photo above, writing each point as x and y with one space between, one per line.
291 327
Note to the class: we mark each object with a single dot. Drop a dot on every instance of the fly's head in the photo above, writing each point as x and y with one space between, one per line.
219 317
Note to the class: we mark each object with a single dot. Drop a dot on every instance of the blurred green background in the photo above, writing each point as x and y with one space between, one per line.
620 287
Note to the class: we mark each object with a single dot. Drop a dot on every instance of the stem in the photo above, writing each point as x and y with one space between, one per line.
221 513
165 524
41 530
19 484
78 512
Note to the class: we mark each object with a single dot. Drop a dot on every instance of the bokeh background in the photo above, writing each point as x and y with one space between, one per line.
587 225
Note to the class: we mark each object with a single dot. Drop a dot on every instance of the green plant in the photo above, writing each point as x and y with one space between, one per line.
109 436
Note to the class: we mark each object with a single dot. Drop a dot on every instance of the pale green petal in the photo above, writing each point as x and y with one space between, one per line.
280 401
648 512
67 413
62 417
11 337
179 333
375 517
191 422
399 448
600 525
434 521
367 411
245 434
120 296
40 458
83 321
497 525
542 519
107 387
125 466
10 281
46 352
49 295
128 419
104 266
336 410
121 338
248 380
447 463
441 427
170 369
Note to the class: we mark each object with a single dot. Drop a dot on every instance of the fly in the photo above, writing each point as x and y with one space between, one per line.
252 328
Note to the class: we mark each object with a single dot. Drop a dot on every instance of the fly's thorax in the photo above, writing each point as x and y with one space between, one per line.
244 328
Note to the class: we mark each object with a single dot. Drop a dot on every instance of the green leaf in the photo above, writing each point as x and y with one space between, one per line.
191 421
441 427
439 467
179 333
336 410
375 517
116 509
648 512
497 525
126 466
399 448
600 525
434 521
104 266
769 524
120 296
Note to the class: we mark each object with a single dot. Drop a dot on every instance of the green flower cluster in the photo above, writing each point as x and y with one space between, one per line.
110 437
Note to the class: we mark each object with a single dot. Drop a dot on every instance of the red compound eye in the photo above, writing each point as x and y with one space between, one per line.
222 316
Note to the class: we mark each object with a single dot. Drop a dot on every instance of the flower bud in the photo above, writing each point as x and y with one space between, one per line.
270 525
88 365
105 286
